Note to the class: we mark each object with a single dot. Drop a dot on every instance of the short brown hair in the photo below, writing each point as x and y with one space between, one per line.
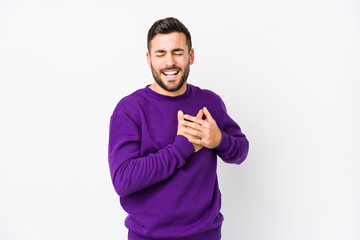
168 25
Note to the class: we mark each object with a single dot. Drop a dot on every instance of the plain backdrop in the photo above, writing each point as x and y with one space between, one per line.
288 72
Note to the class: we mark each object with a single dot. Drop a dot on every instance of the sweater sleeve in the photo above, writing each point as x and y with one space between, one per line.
131 172
234 146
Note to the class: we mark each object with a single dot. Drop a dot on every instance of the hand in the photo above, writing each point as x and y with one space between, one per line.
202 132
181 119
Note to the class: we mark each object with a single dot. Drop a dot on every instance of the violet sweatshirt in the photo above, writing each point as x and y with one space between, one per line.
168 190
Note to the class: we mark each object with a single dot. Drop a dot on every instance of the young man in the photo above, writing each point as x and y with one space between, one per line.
164 142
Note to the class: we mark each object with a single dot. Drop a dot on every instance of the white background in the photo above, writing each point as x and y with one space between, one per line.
288 72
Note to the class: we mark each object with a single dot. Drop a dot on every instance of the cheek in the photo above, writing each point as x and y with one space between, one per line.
154 66
183 62
157 64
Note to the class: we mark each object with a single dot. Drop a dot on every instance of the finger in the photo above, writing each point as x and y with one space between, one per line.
192 132
197 141
200 114
192 125
189 136
208 115
194 119
180 116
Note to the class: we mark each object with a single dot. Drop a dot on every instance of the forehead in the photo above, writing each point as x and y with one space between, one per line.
168 41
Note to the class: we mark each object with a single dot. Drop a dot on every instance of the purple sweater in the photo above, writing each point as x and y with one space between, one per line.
168 190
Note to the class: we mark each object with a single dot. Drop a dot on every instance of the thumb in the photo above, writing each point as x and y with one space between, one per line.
208 115
180 116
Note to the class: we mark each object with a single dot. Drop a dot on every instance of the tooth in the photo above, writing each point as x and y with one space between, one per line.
170 73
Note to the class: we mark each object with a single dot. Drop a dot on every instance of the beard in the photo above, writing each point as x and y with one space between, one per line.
161 83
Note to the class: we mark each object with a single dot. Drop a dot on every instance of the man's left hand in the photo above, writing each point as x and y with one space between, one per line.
202 132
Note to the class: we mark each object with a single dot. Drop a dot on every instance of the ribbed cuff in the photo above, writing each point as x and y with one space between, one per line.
185 147
224 144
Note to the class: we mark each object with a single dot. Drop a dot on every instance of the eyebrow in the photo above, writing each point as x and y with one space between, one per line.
178 50
160 51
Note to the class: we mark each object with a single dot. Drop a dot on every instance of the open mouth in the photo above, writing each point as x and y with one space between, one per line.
170 73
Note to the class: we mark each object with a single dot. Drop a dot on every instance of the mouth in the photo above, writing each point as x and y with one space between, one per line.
170 73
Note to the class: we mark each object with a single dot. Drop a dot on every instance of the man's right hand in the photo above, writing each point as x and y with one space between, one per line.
180 126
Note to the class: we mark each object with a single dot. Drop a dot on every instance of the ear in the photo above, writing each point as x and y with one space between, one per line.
148 58
192 56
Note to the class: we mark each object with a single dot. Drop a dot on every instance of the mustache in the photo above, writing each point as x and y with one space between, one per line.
170 68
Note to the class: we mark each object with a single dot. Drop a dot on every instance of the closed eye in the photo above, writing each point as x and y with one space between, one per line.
160 53
178 51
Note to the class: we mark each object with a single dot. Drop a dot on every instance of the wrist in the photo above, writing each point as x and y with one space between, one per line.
219 138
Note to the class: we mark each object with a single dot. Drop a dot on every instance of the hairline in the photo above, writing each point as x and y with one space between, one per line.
187 41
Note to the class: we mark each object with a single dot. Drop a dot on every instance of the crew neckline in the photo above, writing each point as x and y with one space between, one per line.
162 97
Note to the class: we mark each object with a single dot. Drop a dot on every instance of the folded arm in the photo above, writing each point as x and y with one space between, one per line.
131 172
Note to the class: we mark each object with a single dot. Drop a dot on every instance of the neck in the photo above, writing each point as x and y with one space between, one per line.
156 88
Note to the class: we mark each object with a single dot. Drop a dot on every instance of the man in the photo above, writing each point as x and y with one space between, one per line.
164 142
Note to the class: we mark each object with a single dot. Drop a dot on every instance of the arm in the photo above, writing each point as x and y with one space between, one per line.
131 172
229 142
234 146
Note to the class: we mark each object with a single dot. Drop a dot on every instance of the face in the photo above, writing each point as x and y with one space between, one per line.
170 60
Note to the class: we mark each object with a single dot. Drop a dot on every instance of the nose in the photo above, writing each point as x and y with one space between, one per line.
169 60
